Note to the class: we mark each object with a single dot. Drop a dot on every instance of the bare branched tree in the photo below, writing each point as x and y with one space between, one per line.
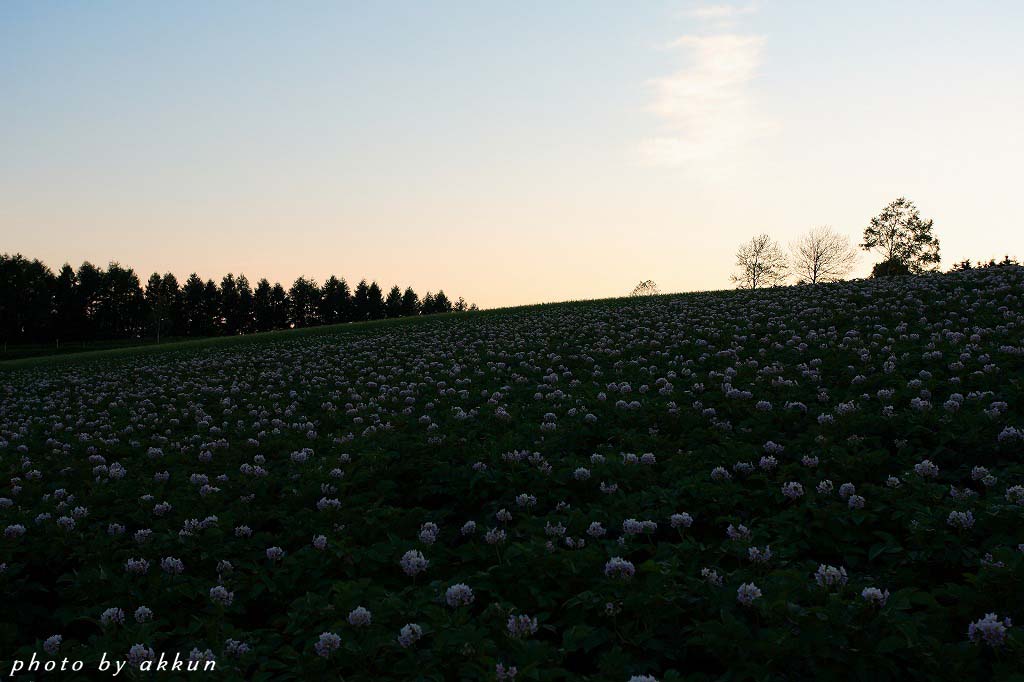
822 255
645 288
761 264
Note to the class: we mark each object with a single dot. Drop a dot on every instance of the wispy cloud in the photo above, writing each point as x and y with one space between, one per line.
721 12
706 108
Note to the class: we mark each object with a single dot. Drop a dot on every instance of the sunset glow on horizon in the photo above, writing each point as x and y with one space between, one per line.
511 154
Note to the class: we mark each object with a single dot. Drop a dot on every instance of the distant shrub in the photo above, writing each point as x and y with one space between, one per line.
890 268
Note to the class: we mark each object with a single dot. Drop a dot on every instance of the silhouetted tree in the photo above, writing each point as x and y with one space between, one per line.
213 321
192 306
900 235
120 312
761 263
410 303
393 303
375 302
92 303
246 321
428 307
69 310
441 303
263 306
334 301
992 263
361 301
645 288
280 307
890 268
172 297
229 312
305 301
90 287
156 303
822 255
26 299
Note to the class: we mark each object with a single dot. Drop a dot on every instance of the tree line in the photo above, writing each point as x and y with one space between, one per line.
898 234
93 304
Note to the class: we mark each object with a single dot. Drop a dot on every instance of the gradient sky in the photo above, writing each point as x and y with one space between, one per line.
507 152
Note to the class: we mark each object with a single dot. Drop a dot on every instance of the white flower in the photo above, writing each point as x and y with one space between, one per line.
413 562
875 596
989 630
428 533
961 520
747 593
409 635
830 576
792 490
458 595
52 644
360 617
712 577
521 626
681 520
220 595
112 616
328 643
617 567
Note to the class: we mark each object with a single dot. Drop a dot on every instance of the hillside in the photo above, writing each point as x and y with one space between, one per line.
798 483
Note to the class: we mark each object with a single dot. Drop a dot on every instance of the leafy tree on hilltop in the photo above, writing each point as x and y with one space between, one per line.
904 240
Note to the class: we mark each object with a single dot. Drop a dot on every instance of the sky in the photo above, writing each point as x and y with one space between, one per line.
507 152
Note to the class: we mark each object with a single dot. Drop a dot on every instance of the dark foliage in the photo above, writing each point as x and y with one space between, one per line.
93 304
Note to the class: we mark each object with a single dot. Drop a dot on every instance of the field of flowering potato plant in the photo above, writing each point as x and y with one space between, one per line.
802 483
